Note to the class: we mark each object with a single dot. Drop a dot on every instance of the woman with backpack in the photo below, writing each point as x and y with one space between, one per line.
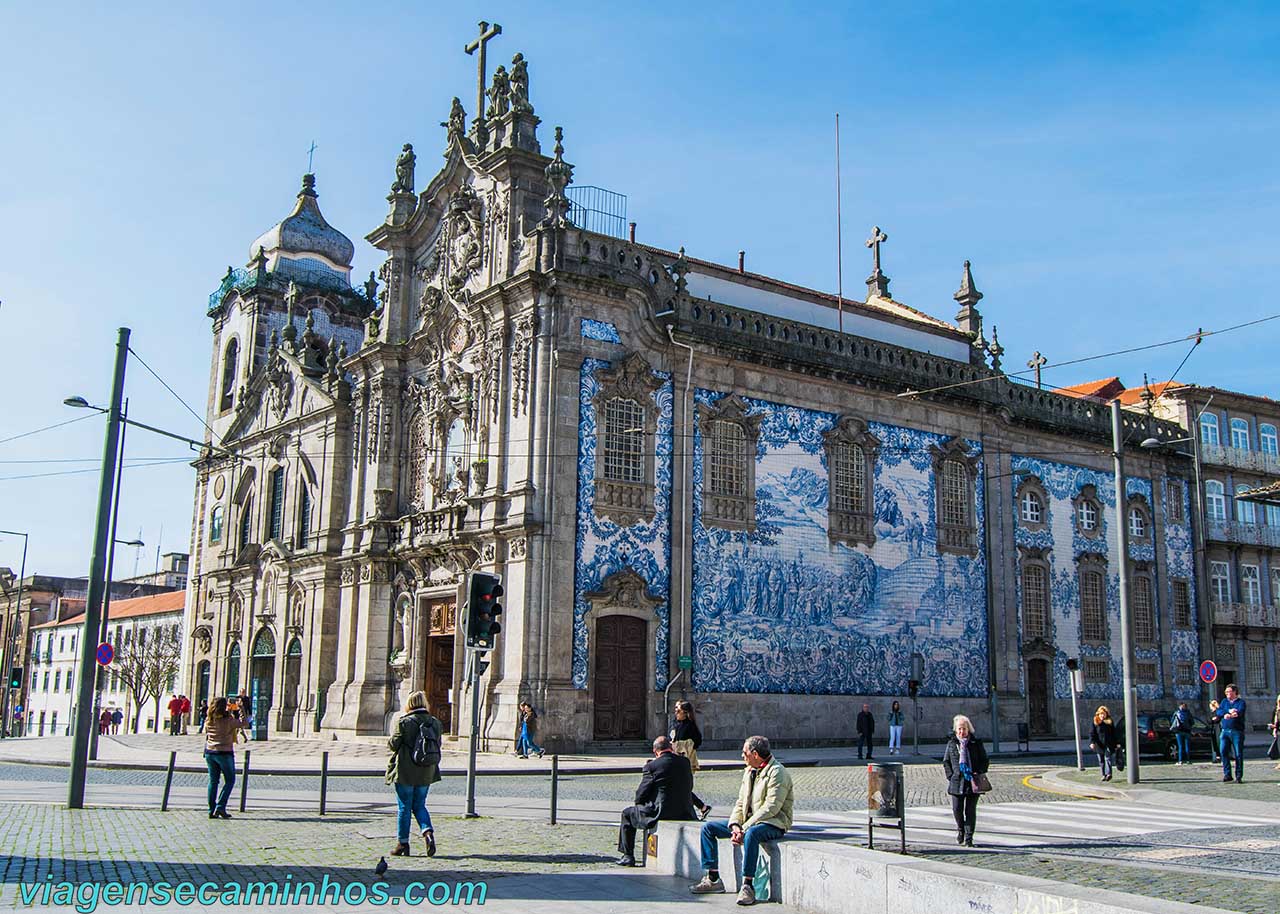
413 767
1102 740
1180 726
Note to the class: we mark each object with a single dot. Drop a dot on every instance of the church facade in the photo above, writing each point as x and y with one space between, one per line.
696 481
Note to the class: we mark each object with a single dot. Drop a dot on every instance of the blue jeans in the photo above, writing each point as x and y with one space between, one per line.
1233 742
1184 746
412 801
525 744
1106 759
221 765
713 831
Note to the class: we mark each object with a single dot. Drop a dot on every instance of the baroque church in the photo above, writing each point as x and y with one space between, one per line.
696 481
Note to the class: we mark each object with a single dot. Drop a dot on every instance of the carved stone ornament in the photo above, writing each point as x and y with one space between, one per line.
526 328
349 574
383 504
203 639
624 589
489 553
517 548
463 238
279 386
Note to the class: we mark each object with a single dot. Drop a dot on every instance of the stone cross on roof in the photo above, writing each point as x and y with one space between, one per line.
487 33
1036 362
877 282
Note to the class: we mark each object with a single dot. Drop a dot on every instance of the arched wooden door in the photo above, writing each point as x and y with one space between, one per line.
620 678
1038 697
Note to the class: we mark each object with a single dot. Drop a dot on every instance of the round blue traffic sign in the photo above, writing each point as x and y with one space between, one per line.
106 653
1208 671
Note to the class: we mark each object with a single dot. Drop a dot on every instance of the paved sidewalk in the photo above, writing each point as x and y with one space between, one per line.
290 755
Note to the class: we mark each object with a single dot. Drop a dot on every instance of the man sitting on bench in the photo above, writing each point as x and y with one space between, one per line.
762 813
665 793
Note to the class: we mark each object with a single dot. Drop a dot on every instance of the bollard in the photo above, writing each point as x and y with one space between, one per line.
324 778
168 782
555 785
244 780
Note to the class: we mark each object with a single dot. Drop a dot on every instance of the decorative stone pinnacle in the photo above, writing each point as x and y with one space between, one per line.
559 175
1148 396
260 260
371 287
308 186
995 348
332 359
968 294
679 269
290 332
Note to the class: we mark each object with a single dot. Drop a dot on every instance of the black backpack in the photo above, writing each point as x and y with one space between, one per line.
426 746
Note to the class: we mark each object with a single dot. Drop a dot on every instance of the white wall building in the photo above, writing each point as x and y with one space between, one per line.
55 659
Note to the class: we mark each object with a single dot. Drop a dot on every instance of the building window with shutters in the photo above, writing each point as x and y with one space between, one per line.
1240 434
626 432
1267 442
1093 599
1209 430
851 452
1244 509
955 480
1144 623
1181 604
729 437
1215 500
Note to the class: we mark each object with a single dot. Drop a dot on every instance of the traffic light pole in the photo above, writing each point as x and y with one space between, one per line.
11 645
473 666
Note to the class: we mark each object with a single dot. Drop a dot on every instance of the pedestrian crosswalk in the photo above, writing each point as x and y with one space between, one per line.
1058 823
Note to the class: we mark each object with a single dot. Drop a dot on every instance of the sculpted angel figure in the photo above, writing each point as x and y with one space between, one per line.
519 81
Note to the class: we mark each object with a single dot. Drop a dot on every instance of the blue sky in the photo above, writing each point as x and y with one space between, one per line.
1111 174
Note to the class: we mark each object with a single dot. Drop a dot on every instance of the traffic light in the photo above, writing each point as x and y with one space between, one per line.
913 688
483 609
15 677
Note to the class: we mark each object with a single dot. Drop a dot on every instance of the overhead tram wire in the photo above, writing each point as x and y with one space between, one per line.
184 403
170 461
46 428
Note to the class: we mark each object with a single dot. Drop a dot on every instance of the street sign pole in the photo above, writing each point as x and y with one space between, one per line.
473 662
1077 686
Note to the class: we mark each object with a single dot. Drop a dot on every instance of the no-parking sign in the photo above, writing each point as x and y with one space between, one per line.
1208 671
106 653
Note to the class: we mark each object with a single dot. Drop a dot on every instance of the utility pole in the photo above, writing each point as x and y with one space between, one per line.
100 672
474 662
84 722
1126 622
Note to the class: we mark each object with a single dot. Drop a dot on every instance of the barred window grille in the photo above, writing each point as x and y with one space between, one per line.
1035 602
1173 502
417 483
1093 617
1144 626
1275 586
1032 509
1181 604
1185 673
1145 673
728 470
624 440
848 478
1097 671
1255 665
955 494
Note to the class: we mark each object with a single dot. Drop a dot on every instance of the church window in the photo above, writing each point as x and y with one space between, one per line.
246 523
304 515
954 474
1144 623
1215 500
624 434
1209 430
1093 607
1145 673
416 482
1035 601
277 504
1033 512
1240 434
456 456
955 494
1244 509
1267 442
851 457
1184 673
1088 511
1174 495
1137 522
1032 508
1181 604
215 525
228 391
1097 672
626 429
729 450
232 682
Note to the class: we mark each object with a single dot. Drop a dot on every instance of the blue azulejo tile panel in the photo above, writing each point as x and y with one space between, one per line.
1179 559
782 609
599 330
603 547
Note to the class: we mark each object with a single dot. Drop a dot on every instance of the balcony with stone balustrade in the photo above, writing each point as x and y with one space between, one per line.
1239 532
1240 459
1246 615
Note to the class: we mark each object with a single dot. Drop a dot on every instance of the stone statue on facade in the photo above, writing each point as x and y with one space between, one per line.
499 94
404 171
519 82
457 122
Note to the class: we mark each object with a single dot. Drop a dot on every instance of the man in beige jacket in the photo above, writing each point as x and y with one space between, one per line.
762 813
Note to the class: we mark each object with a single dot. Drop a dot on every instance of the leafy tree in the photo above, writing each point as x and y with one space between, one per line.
148 664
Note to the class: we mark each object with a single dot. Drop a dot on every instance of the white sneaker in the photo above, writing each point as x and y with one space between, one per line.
747 894
707 886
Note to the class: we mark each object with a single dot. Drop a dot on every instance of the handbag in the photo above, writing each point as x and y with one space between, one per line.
980 783
1273 752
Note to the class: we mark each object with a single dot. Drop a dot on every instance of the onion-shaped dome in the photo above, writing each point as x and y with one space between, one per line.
304 232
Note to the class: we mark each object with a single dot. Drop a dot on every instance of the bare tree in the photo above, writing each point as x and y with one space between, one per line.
148 664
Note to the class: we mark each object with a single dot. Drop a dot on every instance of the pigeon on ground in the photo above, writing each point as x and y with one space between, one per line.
381 867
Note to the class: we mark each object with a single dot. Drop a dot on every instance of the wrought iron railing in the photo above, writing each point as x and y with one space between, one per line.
1233 531
1253 615
597 210
1241 459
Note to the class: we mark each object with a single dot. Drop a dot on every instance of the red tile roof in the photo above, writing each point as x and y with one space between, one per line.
158 604
1101 389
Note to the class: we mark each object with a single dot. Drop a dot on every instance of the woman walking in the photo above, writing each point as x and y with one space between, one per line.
896 718
221 731
413 778
685 739
1274 726
1180 726
1102 740
524 742
963 762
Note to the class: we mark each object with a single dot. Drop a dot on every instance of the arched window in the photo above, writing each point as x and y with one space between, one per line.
1144 625
1244 509
1240 434
1093 610
1209 430
1035 601
264 644
1215 500
1137 522
1032 507
304 515
415 495
624 435
232 683
1087 515
727 473
215 525
1267 442
246 523
229 360
955 493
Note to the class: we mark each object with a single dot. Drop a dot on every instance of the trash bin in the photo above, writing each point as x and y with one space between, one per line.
885 789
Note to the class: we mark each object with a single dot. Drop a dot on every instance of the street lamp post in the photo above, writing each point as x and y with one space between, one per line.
1126 622
11 645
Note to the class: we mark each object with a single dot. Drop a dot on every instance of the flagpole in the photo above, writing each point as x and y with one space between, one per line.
839 240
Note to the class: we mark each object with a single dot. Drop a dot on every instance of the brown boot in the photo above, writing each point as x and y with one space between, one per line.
402 850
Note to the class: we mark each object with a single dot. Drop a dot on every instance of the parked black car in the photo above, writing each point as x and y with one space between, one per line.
1155 737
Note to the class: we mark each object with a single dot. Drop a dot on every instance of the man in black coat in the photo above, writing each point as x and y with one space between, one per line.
665 792
866 729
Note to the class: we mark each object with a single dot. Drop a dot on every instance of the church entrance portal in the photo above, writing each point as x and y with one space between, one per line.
620 678
262 672
441 617
1038 697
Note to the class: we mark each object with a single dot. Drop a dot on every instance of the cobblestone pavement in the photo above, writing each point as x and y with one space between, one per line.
1261 780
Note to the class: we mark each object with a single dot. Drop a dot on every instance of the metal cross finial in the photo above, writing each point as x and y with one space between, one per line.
487 32
877 238
311 155
1036 362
